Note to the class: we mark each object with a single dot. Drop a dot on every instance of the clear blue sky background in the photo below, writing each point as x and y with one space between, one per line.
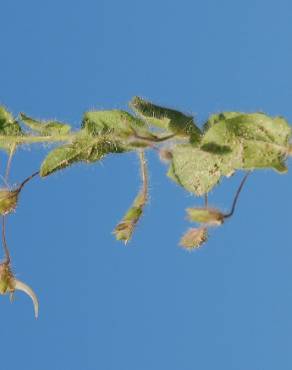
150 305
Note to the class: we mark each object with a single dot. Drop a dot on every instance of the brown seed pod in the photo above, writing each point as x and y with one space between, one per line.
8 200
210 216
9 197
194 238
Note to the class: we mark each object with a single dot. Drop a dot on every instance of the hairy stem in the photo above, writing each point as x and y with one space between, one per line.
144 174
5 247
8 166
30 139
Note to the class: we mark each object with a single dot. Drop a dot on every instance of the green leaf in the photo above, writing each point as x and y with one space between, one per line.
117 122
167 119
263 155
256 140
5 116
83 149
46 127
231 141
210 216
196 170
8 127
172 175
215 118
260 127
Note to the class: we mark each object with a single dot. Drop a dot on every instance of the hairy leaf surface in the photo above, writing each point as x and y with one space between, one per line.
231 141
167 119
118 122
83 149
8 127
261 141
45 127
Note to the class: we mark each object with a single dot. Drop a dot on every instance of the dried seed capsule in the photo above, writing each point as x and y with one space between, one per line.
6 279
194 238
8 200
9 197
210 216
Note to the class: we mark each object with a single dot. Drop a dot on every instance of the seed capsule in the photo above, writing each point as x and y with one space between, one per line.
194 238
8 200
210 216
6 279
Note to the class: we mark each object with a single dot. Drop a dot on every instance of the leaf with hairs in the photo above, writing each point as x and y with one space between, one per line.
259 140
231 141
198 171
8 127
166 118
116 122
83 149
45 127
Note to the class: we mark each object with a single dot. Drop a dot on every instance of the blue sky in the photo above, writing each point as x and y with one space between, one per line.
150 305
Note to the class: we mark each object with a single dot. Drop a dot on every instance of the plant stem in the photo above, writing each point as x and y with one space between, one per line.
12 151
5 247
206 200
27 139
27 180
236 196
144 174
